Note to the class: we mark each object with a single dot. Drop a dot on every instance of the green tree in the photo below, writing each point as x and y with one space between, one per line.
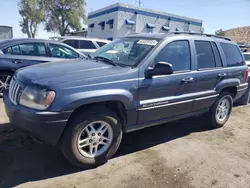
220 32
63 15
32 15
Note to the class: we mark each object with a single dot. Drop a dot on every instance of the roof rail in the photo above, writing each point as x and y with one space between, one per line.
201 34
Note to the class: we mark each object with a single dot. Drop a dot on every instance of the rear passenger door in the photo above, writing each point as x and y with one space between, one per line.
209 73
26 54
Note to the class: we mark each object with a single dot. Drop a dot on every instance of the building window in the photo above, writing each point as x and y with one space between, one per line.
150 27
110 23
150 30
102 24
91 26
165 28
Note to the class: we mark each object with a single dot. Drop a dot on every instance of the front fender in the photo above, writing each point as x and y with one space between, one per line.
233 82
72 101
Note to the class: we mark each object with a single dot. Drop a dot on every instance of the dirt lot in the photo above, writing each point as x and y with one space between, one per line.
181 154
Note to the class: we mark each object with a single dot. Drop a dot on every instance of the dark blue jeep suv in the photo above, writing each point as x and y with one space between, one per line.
129 84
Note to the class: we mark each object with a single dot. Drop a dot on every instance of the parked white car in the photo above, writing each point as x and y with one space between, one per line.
82 44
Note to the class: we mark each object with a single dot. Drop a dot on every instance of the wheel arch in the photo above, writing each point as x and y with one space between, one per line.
229 85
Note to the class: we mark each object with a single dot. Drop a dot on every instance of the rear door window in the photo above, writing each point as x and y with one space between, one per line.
232 54
205 57
87 44
33 49
72 43
12 50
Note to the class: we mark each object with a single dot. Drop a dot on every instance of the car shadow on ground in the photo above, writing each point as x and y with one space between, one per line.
23 160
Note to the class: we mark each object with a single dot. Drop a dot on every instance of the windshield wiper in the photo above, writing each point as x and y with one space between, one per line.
106 60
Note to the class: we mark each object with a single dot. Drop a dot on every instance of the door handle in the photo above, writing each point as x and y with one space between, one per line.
16 61
222 75
187 80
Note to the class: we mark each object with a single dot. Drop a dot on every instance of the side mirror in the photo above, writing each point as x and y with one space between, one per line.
161 68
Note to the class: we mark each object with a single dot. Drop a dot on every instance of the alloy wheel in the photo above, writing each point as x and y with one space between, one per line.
222 110
4 82
95 139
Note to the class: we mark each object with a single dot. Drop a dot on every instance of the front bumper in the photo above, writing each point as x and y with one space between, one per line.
46 126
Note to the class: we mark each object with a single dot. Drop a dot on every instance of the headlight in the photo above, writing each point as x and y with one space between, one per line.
36 99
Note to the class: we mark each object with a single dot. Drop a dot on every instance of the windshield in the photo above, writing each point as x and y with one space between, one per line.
247 57
126 51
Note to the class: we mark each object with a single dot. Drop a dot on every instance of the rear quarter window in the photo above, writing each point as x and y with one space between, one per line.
101 43
232 54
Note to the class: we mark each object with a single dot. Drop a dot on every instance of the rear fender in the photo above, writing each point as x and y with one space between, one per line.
233 82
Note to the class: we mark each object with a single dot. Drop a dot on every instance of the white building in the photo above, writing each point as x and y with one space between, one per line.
120 19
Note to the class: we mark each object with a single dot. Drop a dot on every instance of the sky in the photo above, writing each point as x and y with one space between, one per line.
216 14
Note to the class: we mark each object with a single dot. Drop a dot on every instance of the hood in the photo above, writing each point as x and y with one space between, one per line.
66 71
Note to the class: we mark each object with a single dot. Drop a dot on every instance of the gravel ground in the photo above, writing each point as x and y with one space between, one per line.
186 153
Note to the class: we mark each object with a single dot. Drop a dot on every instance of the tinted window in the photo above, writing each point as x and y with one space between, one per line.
176 53
233 55
13 50
33 49
60 51
86 44
72 43
111 26
101 43
205 57
217 56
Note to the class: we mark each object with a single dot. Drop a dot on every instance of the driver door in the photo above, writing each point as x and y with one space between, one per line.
168 95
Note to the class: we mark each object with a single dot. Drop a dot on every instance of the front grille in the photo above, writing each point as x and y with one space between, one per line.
14 90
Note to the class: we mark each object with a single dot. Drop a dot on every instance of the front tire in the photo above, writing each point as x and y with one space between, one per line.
5 79
221 110
92 137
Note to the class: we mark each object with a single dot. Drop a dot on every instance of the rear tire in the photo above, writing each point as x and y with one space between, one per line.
81 128
221 110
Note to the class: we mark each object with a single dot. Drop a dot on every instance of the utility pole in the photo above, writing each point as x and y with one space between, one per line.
139 2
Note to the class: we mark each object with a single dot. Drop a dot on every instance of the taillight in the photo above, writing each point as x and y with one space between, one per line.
247 76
